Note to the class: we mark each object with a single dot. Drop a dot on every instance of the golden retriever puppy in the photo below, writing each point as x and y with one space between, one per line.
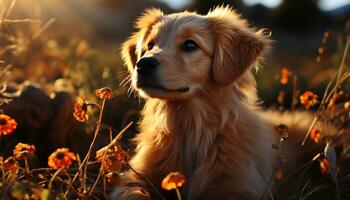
200 115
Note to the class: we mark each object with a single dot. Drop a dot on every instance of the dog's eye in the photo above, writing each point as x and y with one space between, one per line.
189 46
150 45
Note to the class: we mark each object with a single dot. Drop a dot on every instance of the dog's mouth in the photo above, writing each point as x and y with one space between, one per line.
151 86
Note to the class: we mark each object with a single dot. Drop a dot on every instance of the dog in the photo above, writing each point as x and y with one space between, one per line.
201 115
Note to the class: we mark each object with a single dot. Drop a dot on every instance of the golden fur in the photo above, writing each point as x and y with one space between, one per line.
212 133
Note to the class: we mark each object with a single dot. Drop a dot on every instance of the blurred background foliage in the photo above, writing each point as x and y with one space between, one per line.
73 45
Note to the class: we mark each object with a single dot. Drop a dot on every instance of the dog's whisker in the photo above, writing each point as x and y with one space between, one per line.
130 90
125 81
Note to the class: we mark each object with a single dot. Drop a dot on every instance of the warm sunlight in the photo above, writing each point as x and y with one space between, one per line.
174 99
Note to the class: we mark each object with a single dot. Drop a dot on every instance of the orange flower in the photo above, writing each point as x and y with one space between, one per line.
285 73
112 158
7 124
323 165
80 109
23 151
308 99
61 158
173 180
10 164
279 174
104 93
315 135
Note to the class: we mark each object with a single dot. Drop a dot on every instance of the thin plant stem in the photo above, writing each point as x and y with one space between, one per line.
309 130
105 187
83 165
339 80
110 134
337 188
17 21
96 181
292 173
26 165
302 190
178 193
44 28
120 135
280 156
346 49
9 9
295 92
2 173
53 178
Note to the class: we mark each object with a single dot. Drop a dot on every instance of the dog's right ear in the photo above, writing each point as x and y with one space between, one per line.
132 48
237 47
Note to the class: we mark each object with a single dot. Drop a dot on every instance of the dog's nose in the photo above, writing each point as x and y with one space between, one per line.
146 65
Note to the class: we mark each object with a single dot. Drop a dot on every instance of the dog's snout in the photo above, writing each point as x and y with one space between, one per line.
146 65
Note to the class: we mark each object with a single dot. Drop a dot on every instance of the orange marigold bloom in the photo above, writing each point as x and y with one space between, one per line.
315 135
23 151
173 180
80 109
308 99
10 164
104 93
285 73
61 158
323 165
7 124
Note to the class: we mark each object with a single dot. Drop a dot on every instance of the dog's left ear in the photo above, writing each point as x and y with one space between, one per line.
131 49
237 47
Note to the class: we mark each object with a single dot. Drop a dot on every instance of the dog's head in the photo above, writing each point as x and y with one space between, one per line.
174 56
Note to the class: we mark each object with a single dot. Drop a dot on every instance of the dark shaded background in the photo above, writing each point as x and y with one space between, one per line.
297 26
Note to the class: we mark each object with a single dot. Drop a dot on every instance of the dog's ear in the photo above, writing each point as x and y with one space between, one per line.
132 48
237 46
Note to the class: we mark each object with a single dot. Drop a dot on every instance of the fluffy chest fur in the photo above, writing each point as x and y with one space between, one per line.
216 146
